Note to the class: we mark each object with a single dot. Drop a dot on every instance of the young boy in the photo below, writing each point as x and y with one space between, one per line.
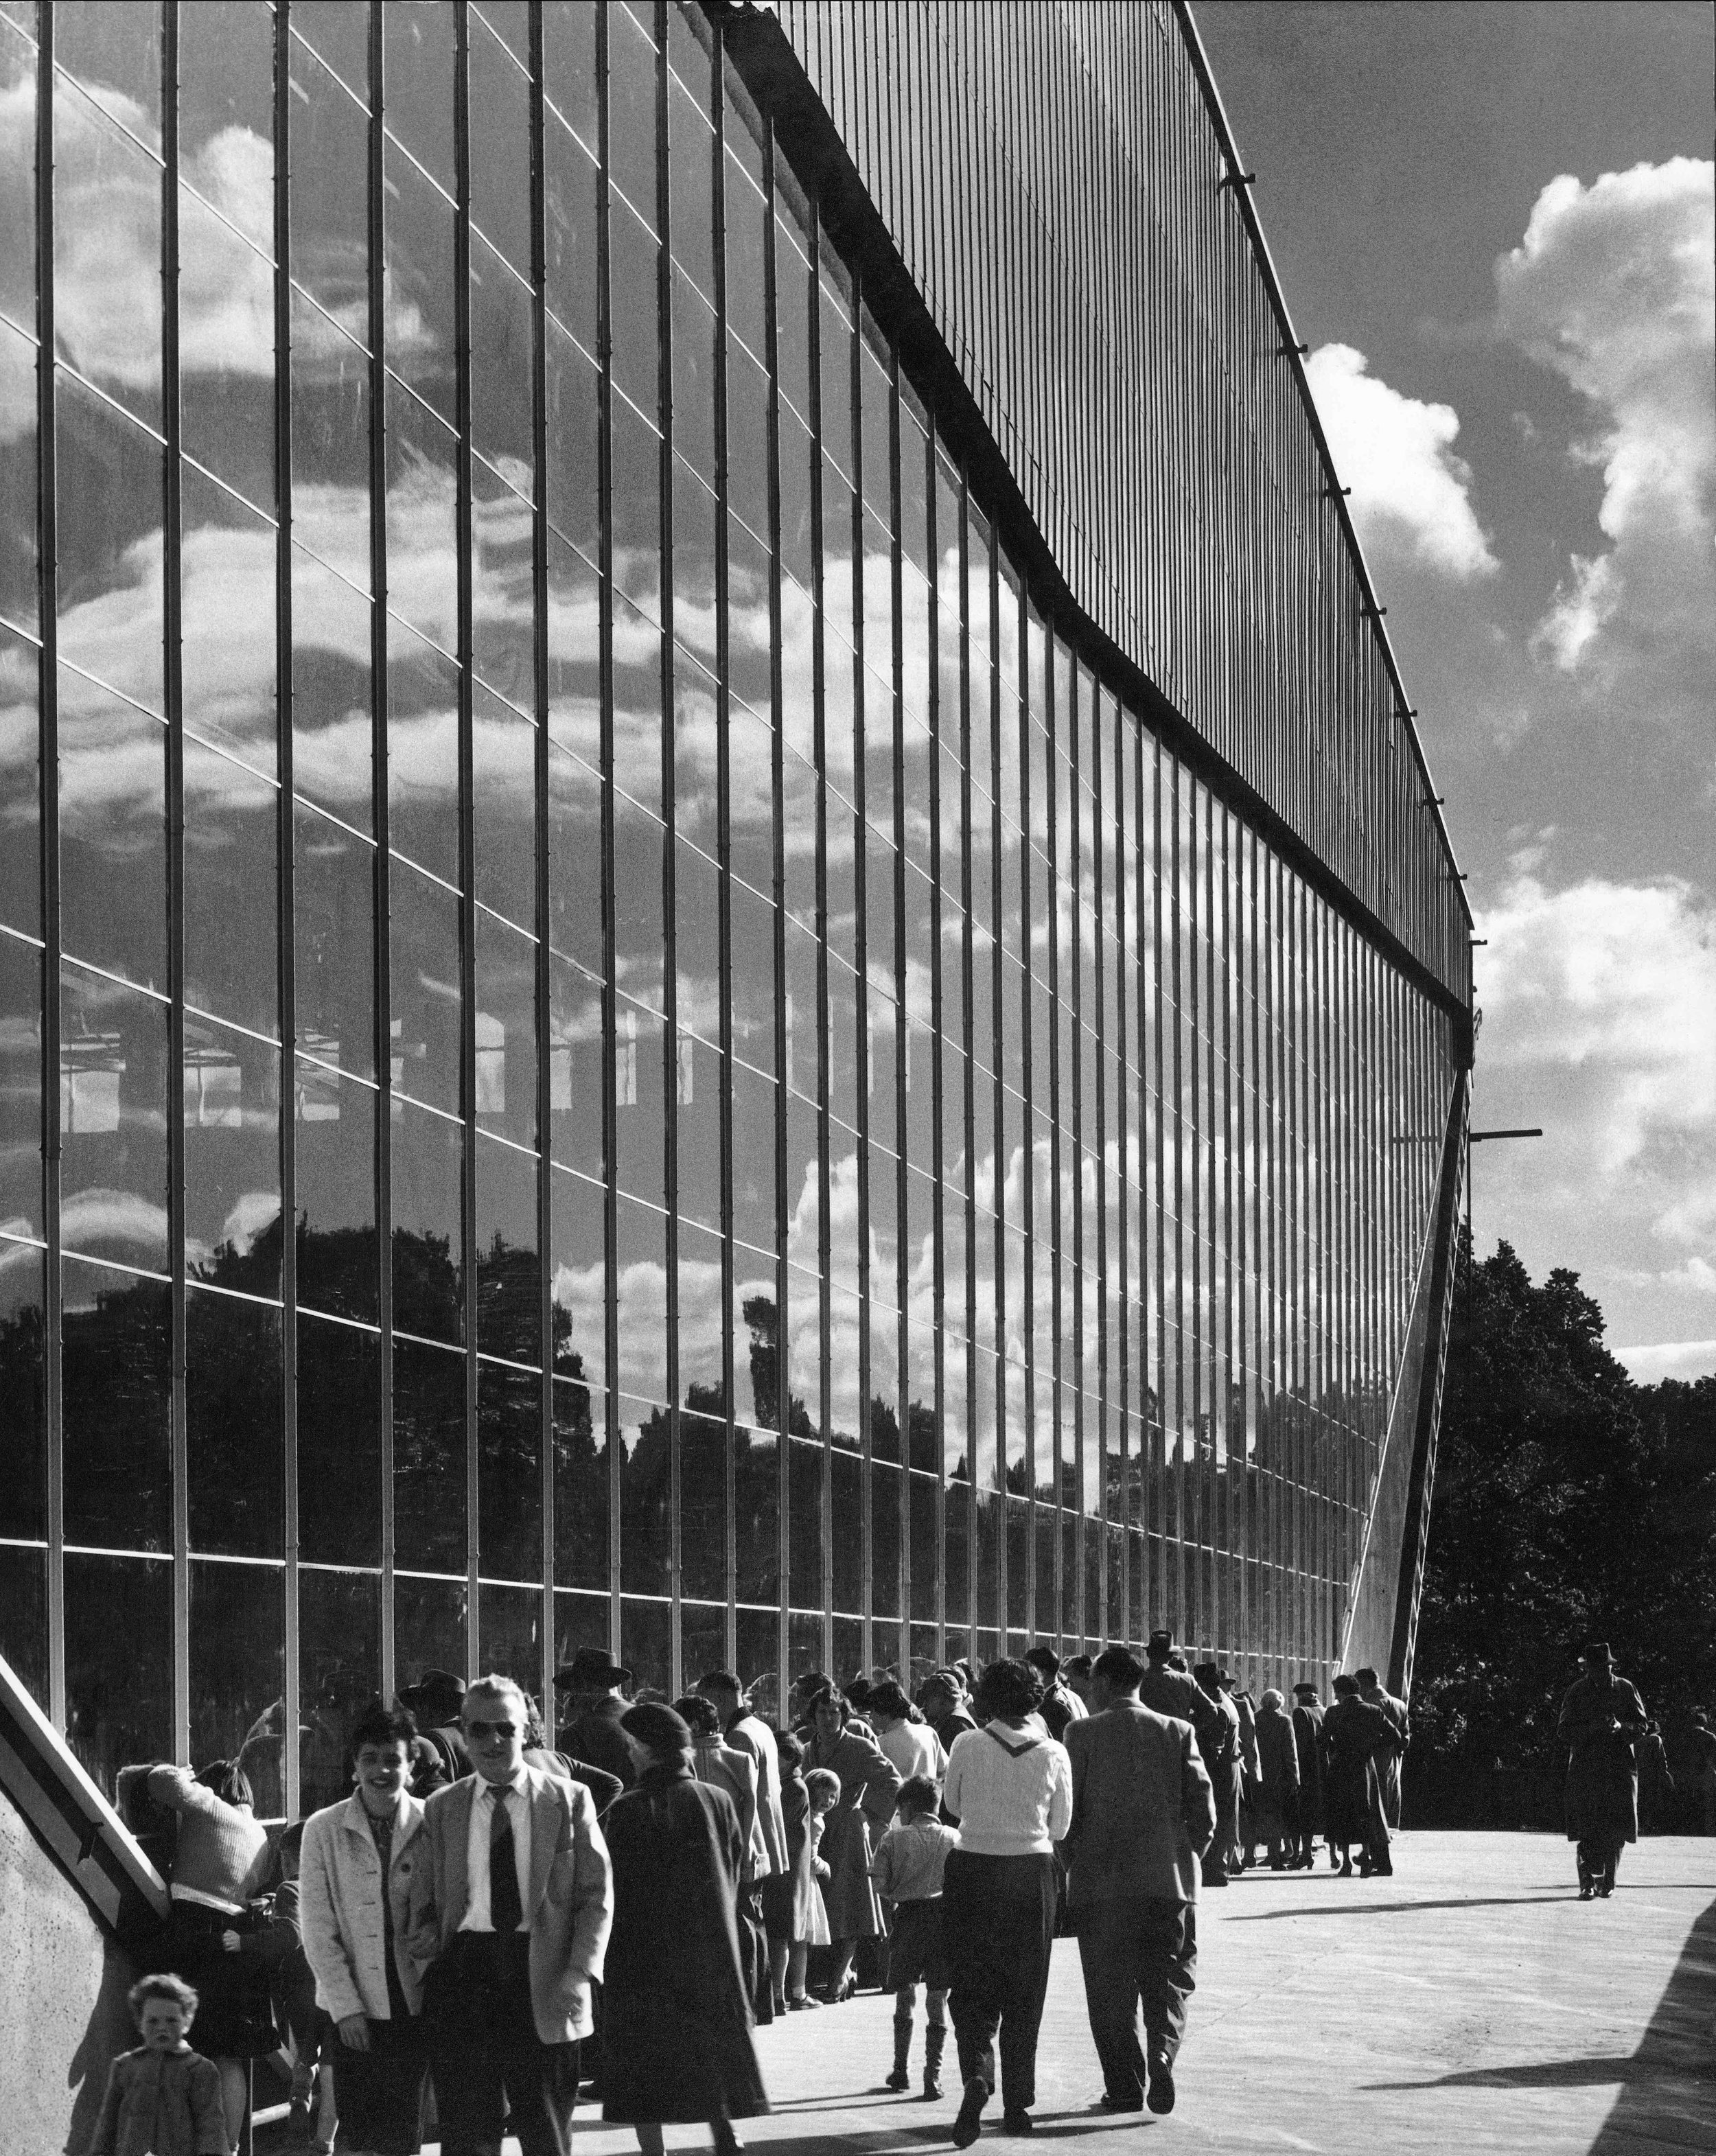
163 2099
907 1871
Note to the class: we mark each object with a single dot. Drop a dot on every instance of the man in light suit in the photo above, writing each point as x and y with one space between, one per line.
1374 1693
510 1907
1143 1812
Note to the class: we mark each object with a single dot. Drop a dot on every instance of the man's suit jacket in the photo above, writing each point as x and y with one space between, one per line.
1143 1808
725 1767
569 1907
751 1735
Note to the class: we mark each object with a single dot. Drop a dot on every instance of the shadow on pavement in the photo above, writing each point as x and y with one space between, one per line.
1675 2101
1667 2096
1393 1908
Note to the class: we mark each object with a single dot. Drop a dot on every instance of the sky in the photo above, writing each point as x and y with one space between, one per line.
1493 226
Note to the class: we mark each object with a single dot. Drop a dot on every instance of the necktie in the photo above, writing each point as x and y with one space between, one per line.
506 1910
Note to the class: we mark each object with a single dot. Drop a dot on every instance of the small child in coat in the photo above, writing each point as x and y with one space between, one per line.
163 2099
907 1870
811 1874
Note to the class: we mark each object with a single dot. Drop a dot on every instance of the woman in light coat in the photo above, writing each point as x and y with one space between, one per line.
355 1873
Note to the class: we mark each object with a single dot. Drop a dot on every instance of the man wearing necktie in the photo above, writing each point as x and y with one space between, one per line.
509 1914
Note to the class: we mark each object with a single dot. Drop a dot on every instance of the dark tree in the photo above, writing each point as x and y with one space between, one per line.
1569 1503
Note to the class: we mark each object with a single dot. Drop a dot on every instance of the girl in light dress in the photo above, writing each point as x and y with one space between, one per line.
810 1875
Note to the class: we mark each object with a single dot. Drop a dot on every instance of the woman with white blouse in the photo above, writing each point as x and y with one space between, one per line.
1009 1790
904 1735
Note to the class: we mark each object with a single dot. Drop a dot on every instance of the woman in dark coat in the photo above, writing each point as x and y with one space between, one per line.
1308 1736
870 1782
1601 1719
676 2021
1354 1737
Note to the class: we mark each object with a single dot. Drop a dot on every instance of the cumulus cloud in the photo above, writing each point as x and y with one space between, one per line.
1409 488
1613 288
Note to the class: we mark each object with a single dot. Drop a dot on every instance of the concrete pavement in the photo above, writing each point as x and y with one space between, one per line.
1469 2004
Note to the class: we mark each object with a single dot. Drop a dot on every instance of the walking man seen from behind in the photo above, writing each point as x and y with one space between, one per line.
1143 1812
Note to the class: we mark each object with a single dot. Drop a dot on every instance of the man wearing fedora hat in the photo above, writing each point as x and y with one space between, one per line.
595 1684
1601 1719
436 1699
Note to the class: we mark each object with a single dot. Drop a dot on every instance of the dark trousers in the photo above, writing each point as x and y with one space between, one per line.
1137 1953
1599 1859
486 2055
998 1929
1220 1852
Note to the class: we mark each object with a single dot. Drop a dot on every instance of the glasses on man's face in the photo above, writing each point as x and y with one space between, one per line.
488 1731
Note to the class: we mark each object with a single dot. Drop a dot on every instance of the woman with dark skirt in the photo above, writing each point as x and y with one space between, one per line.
870 1782
1009 1787
220 1862
676 2021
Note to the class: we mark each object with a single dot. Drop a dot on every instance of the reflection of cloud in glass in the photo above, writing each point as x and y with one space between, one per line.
106 1223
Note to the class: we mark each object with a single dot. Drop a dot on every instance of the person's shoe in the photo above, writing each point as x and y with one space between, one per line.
934 2041
1345 1871
971 2104
1587 1892
1106 2102
801 2002
726 2142
1160 2097
1018 2122
1605 1889
780 2002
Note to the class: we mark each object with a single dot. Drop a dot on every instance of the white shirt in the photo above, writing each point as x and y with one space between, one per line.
1010 1789
515 1795
915 1748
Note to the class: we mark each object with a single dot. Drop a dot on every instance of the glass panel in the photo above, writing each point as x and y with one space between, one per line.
113 833
237 1674
339 34
227 598
756 1472
418 221
506 1031
107 243
24 1433
423 540
569 190
511 1620
509 1441
632 74
430 1488
419 69
23 1619
232 1099
113 1120
20 780
329 183
226 299
118 1663
116 1382
503 793
500 132
581 1493
339 1671
234 1425
580 1278
426 1001
503 377
336 1194
231 828
641 1293
428 1628
848 1499
330 507
646 1634
428 1265
333 736
508 1269
645 1496
633 267
334 906
21 993
571 472
339 1443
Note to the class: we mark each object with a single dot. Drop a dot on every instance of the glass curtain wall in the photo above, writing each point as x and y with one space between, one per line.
611 1035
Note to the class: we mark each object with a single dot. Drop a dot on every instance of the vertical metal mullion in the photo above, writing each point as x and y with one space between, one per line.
861 955
544 987
724 847
46 513
1027 1095
467 837
997 1107
173 698
669 1032
818 722
604 458
968 1075
783 1390
287 861
937 1151
379 809
896 720
1051 831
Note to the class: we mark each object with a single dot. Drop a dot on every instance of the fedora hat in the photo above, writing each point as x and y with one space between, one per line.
592 1666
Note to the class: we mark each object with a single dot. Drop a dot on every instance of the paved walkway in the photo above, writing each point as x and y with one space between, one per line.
1468 2004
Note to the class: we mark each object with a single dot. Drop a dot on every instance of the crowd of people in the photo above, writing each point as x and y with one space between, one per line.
510 1924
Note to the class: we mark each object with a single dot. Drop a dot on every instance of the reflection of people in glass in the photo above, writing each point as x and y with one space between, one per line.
221 1861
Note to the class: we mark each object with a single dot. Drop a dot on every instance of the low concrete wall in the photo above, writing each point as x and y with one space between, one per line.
62 1985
